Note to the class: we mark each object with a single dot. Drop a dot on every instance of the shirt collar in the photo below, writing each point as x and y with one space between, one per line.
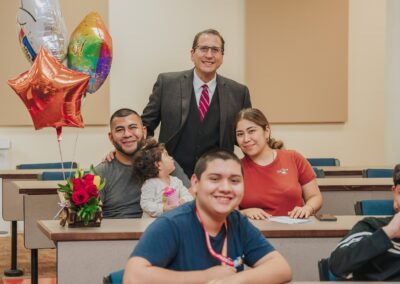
198 83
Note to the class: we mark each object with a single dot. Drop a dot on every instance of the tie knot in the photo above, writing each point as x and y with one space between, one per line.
205 87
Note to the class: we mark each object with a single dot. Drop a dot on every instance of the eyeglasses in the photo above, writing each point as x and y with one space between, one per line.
214 49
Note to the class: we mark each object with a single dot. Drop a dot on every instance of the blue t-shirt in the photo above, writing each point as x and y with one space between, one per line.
176 241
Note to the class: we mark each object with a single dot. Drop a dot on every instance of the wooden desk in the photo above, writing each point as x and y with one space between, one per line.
342 171
12 209
12 206
93 252
40 201
348 171
11 199
347 282
340 194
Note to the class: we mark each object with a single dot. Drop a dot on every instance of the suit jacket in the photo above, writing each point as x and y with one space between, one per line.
170 103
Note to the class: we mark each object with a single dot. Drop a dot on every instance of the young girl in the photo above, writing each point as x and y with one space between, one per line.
160 191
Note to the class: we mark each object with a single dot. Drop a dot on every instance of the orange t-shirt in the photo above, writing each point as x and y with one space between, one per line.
276 188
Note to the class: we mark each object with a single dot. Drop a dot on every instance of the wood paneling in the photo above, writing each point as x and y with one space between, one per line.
297 59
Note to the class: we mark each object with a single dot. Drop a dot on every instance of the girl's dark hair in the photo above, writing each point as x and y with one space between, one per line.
145 160
256 116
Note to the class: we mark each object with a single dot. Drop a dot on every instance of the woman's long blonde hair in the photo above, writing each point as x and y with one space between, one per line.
256 116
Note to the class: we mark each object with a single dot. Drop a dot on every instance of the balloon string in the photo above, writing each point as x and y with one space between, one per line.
77 134
60 152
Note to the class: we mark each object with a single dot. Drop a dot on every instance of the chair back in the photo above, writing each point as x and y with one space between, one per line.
319 172
56 175
324 162
67 165
114 277
324 272
378 173
374 207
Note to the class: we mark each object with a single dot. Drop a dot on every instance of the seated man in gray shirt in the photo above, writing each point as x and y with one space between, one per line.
121 195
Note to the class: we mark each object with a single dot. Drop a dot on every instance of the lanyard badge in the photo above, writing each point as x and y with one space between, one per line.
222 257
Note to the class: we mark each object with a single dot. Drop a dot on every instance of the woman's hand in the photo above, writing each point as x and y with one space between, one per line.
301 212
255 213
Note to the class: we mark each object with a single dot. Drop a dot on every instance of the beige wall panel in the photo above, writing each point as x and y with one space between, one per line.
297 59
95 109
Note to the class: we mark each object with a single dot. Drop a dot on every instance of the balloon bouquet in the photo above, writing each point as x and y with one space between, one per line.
51 92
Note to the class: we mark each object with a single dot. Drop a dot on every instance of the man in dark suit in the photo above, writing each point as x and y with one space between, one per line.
196 107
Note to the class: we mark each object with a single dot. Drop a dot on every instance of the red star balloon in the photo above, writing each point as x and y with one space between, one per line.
51 92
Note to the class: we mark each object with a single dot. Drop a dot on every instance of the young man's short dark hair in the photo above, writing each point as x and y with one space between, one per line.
201 164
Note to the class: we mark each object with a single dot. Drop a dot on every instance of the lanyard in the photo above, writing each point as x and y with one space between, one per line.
223 258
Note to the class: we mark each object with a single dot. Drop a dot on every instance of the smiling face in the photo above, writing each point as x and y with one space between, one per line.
219 190
207 56
126 132
251 137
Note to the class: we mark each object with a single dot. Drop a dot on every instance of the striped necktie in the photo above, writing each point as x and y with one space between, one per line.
204 102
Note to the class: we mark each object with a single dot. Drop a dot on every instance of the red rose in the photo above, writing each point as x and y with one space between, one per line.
78 184
91 189
80 197
88 178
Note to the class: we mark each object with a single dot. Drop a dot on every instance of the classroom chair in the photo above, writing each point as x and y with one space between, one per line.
324 273
374 207
56 175
67 165
114 277
378 173
324 162
319 172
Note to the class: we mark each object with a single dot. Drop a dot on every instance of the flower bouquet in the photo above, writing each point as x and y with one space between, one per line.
81 204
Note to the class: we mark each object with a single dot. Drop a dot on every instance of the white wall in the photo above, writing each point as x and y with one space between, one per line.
155 36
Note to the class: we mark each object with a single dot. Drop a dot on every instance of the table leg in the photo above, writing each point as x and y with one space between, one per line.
34 266
13 271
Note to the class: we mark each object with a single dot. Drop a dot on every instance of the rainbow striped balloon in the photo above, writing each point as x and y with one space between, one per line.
90 50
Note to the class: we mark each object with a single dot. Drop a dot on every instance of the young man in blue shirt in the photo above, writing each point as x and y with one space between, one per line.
207 240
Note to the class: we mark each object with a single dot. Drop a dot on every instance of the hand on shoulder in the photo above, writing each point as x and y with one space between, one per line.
109 157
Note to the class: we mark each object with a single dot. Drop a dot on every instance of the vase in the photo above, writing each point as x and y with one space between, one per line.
74 221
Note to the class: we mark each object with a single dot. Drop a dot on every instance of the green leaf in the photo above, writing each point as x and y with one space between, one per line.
92 201
102 184
91 170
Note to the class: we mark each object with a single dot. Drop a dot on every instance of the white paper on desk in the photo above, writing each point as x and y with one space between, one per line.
288 220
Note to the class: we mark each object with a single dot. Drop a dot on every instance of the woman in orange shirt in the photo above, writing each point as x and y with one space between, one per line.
277 182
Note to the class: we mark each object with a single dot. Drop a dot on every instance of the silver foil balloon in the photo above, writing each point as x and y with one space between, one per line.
40 23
